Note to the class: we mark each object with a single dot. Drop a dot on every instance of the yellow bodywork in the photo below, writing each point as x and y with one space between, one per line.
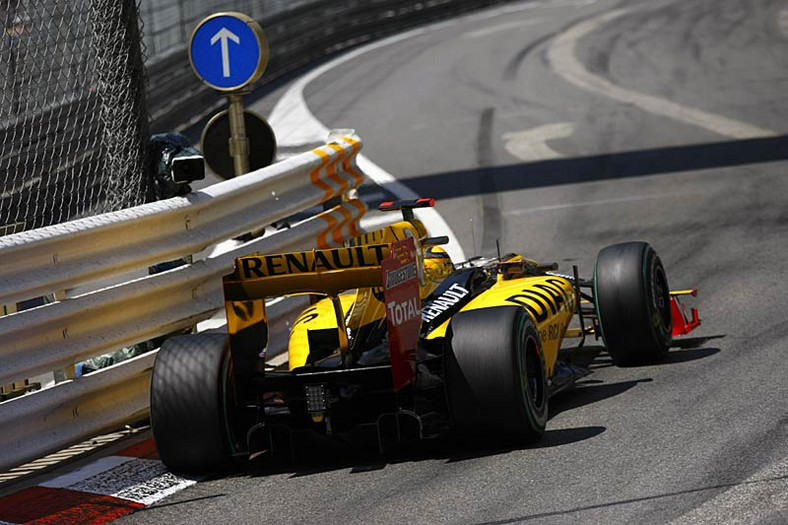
550 301
362 307
318 316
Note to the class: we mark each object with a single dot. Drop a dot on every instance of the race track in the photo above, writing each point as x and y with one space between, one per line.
560 127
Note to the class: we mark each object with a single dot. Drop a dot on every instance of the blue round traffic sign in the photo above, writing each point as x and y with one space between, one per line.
228 51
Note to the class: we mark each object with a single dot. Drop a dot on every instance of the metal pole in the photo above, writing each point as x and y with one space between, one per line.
182 21
239 144
13 39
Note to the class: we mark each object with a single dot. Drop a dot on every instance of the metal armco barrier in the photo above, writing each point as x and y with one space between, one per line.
69 412
66 255
61 257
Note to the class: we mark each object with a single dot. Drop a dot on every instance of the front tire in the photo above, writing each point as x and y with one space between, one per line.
633 303
495 373
192 404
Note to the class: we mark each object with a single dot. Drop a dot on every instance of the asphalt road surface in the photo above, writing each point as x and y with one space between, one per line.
560 127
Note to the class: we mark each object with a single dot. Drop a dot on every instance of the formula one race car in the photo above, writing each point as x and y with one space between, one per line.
402 342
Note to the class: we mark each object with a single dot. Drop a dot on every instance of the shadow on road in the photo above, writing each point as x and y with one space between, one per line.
694 342
693 354
590 391
600 167
679 354
360 458
319 454
682 351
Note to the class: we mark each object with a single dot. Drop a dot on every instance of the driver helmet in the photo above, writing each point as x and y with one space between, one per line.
437 263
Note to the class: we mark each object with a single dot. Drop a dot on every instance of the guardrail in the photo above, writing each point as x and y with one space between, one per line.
77 253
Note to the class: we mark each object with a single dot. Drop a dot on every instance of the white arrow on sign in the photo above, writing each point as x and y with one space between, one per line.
224 35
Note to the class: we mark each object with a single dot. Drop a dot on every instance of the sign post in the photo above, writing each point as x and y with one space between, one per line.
228 52
216 138
239 144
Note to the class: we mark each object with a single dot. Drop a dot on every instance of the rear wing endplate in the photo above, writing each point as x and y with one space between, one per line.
326 272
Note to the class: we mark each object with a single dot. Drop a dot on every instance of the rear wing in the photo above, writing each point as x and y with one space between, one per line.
257 277
392 267
326 272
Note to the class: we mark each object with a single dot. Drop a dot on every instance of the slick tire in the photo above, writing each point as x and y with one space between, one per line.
495 374
633 303
192 405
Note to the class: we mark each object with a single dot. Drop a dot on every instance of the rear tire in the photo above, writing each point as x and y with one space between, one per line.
192 404
633 303
495 373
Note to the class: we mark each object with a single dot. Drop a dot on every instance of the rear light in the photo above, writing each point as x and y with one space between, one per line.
316 398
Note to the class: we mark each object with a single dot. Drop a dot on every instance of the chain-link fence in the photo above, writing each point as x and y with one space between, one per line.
73 122
73 113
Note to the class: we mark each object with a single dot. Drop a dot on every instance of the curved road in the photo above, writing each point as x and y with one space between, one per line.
560 127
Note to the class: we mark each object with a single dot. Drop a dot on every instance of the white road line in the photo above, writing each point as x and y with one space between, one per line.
603 202
293 122
295 125
140 480
782 21
564 62
505 26
531 145
150 491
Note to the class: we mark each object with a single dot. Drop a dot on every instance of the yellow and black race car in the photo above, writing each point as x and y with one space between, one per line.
400 341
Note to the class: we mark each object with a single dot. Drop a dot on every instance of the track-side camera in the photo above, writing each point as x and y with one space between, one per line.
174 164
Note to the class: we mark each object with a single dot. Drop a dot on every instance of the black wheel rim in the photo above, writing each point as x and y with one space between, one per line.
662 299
532 374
